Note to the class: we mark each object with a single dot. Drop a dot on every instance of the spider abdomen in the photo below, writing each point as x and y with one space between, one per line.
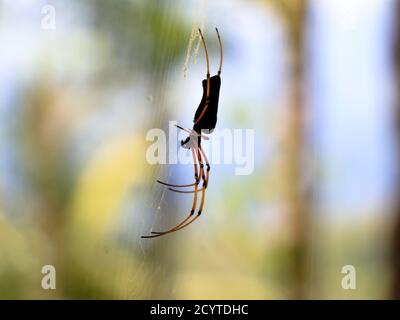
207 120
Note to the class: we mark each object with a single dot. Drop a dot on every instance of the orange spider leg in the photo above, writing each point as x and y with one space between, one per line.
157 234
206 179
208 79
205 182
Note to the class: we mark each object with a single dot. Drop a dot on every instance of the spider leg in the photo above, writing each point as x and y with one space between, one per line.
184 224
196 177
159 234
205 184
192 132
178 185
194 198
184 129
206 52
191 221
185 191
208 81
205 180
220 52
207 164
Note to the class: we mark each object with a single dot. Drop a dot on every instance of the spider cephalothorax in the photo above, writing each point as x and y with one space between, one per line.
205 120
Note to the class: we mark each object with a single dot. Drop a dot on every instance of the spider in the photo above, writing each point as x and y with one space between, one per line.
205 120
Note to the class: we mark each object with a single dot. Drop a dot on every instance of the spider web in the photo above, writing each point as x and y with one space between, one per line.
163 209
200 11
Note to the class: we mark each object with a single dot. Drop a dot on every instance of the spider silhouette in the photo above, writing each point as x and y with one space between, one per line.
205 120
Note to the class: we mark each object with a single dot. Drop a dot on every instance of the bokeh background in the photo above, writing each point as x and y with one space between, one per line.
315 79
